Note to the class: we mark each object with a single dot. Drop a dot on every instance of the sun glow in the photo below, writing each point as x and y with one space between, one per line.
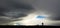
32 20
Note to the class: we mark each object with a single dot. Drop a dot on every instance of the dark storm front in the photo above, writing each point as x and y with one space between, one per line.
13 9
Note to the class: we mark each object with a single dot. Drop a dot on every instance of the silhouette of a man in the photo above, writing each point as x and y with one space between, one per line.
42 23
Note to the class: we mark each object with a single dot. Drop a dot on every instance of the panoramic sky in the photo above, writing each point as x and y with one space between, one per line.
28 10
48 8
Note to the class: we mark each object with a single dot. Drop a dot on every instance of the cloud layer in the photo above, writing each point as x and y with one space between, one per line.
14 9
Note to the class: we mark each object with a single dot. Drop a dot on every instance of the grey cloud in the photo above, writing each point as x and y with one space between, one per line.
50 7
14 9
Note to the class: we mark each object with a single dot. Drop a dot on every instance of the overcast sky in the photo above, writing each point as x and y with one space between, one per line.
51 8
42 7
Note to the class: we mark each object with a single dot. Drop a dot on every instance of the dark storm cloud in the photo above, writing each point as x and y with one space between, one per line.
50 7
14 9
